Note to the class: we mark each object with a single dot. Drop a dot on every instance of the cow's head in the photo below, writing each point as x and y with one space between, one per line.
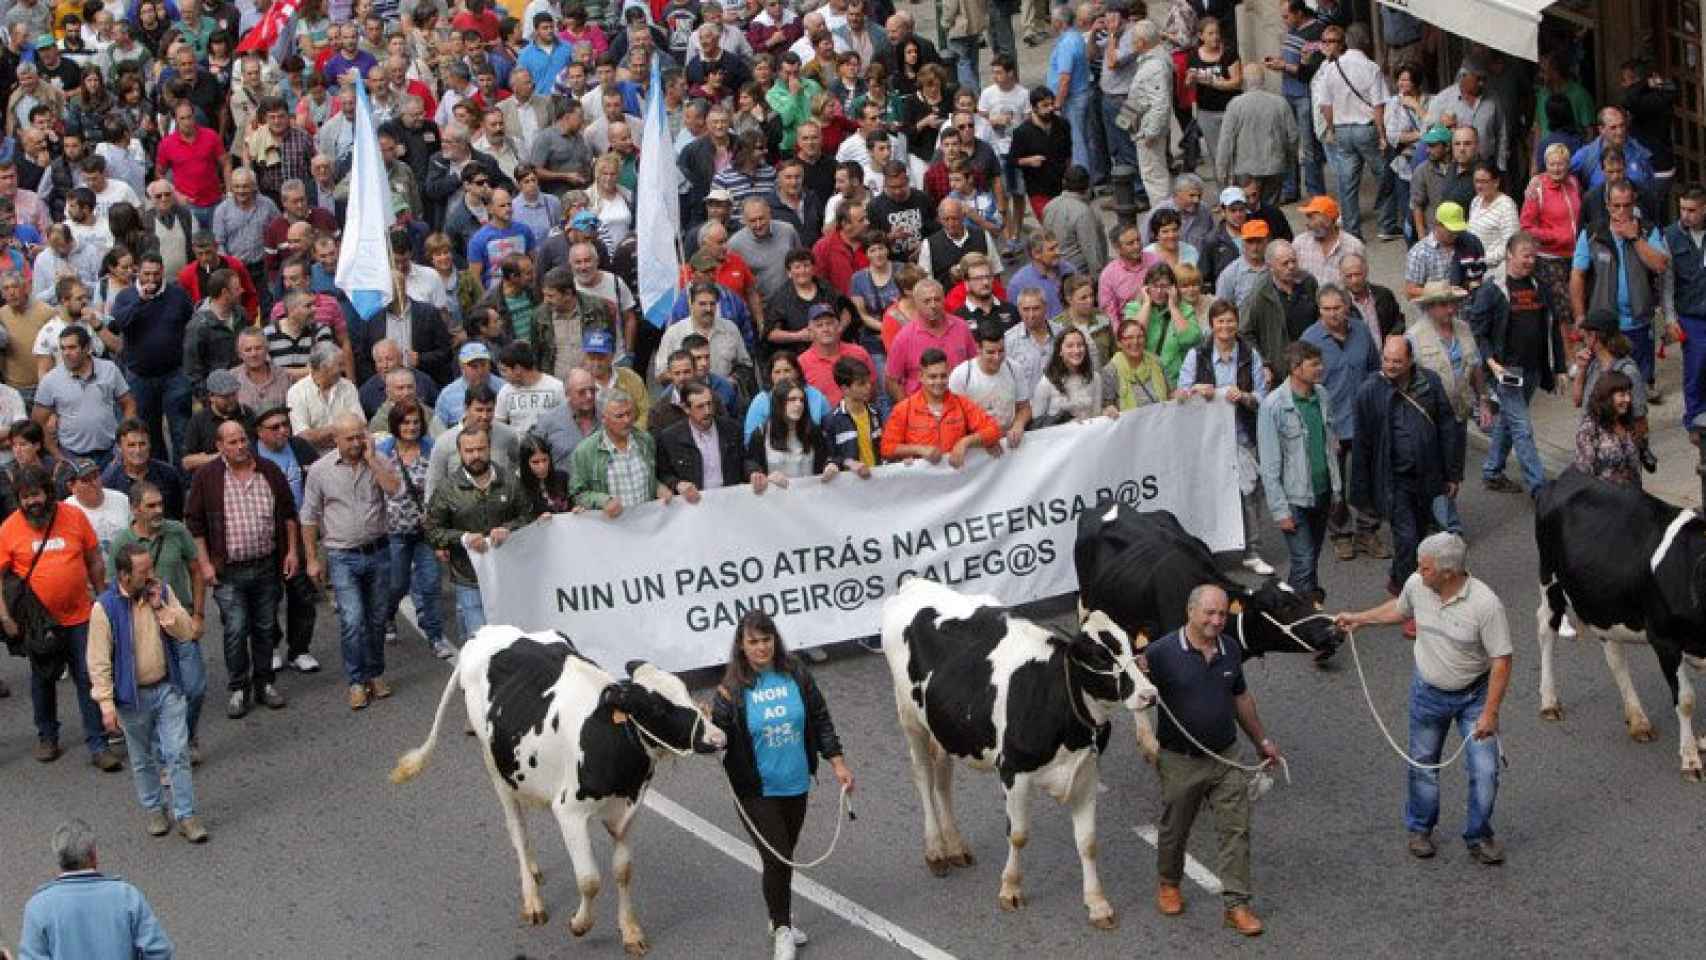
1277 619
1106 664
658 703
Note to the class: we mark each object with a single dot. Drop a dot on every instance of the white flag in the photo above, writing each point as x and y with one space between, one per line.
364 260
659 221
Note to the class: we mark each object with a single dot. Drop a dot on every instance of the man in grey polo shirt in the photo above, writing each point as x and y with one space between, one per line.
1463 665
75 402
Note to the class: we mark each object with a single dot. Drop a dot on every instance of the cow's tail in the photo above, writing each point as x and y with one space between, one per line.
412 763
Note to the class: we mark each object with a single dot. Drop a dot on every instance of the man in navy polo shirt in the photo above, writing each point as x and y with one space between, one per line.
1200 678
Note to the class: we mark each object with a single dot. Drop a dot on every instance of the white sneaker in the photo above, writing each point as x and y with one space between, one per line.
277 660
305 663
1258 566
800 938
443 650
783 944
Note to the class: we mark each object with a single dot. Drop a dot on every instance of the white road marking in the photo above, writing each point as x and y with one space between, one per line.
1199 874
817 893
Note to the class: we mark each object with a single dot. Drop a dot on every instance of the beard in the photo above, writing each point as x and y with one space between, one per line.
37 513
476 468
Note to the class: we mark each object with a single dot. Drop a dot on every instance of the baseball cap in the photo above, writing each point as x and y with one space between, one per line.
1450 216
584 220
1324 205
1254 230
221 383
819 310
598 341
1437 134
83 466
719 195
1602 321
474 350
44 41
1232 195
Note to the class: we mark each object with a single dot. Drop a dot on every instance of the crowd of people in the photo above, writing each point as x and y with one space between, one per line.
885 259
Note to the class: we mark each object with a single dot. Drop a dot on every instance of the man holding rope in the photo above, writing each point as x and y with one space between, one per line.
1463 666
1200 680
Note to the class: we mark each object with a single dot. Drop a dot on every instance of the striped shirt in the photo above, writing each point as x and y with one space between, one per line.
289 351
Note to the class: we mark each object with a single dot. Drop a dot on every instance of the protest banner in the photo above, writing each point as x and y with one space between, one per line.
669 583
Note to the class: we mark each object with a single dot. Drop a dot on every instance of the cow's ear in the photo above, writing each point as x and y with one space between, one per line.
633 666
613 696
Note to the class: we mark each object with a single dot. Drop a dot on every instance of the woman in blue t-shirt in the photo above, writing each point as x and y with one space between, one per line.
778 726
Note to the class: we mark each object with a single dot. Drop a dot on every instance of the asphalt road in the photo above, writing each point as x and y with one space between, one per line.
316 854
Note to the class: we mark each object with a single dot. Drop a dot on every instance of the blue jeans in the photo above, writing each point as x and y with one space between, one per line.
1355 146
192 679
164 397
1641 343
1693 367
965 61
1303 545
1387 209
414 569
44 694
156 734
1309 149
247 594
470 611
203 215
1445 512
1078 121
1000 31
1432 711
1095 138
100 457
1401 200
1514 429
361 582
1122 150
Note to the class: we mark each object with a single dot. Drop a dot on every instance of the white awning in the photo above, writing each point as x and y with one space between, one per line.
1509 25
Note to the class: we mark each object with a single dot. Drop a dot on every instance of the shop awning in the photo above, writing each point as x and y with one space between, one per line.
1509 25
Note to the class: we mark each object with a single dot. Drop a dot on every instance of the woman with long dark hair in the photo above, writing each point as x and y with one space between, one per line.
1071 388
788 444
1605 440
545 486
778 725
407 449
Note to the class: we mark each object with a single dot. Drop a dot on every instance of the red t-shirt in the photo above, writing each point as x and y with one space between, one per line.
820 370
485 23
193 166
61 579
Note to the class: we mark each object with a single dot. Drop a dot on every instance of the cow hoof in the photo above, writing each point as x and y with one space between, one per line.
1011 900
938 868
637 948
1693 774
1554 712
580 927
535 917
1105 921
538 874
1641 732
962 859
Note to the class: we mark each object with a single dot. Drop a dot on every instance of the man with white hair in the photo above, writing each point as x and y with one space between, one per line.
1258 136
103 915
1148 112
317 400
1463 666
944 249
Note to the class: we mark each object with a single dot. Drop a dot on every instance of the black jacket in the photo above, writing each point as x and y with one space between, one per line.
1387 311
812 205
729 715
427 335
443 181
679 459
1489 318
1438 457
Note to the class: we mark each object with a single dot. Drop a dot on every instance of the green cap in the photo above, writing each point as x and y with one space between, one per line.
1437 134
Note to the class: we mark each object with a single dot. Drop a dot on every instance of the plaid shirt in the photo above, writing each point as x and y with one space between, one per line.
1428 260
294 151
628 479
248 517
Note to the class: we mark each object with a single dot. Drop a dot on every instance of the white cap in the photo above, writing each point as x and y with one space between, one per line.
1232 195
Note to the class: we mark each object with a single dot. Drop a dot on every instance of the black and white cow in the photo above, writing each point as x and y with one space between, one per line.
1623 566
973 682
558 731
1139 567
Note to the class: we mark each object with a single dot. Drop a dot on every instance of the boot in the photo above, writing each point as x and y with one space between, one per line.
1372 545
1344 548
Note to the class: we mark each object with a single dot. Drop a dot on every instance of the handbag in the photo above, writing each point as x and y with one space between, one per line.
35 638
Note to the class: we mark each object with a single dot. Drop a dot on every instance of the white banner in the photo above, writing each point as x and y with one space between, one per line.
669 583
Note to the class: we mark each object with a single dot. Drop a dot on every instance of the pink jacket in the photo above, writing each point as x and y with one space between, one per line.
1552 212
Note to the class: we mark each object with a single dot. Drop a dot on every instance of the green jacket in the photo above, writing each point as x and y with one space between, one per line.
589 468
460 507
792 109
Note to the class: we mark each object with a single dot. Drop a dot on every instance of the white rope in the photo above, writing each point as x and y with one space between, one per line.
1351 638
1285 768
844 813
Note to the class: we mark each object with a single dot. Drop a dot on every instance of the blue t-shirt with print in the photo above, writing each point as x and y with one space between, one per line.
776 720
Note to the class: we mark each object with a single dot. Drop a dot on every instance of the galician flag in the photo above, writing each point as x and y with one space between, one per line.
364 260
659 222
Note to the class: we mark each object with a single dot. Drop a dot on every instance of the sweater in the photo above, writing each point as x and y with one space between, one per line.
153 329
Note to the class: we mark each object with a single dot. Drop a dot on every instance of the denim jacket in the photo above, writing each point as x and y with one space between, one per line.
1283 451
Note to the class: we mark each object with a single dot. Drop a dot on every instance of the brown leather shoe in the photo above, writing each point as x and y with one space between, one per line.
47 751
1244 920
107 761
1169 900
1373 545
357 696
378 688
1344 548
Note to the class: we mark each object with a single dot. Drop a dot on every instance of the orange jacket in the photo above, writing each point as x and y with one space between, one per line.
913 423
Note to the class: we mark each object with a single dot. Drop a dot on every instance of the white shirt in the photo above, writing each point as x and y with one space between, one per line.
426 286
311 409
521 407
108 519
1331 89
117 191
1016 103
999 394
47 341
